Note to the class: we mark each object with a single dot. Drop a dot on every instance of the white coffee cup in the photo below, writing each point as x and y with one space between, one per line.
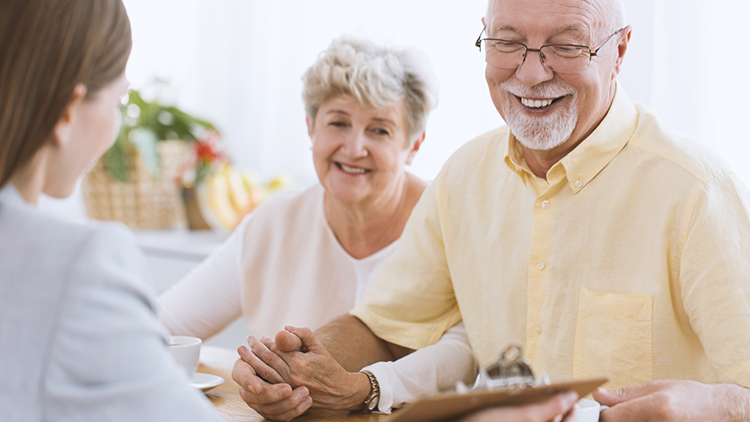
186 351
588 410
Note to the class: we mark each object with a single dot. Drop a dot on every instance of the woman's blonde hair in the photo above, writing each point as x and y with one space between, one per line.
47 47
377 76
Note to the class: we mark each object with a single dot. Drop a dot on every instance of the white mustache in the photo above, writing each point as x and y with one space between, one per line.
549 89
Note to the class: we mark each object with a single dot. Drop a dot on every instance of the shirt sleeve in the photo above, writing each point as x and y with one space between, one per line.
427 371
208 298
109 359
411 301
714 276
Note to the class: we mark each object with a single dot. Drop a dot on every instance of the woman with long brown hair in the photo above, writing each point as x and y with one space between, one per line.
79 338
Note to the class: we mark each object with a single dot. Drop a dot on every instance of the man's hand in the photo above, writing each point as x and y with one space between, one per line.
277 402
558 408
675 400
299 360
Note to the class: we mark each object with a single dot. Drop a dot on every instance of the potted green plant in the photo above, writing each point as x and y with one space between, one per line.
144 125
138 180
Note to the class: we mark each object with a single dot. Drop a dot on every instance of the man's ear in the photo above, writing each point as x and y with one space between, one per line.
64 127
414 148
622 47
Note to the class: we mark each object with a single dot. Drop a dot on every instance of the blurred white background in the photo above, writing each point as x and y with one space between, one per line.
238 64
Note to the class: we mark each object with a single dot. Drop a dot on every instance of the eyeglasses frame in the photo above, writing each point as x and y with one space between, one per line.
592 53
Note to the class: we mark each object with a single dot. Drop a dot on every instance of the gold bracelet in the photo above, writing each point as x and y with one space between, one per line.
371 402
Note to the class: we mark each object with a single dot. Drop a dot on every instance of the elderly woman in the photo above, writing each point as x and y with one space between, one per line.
305 258
80 339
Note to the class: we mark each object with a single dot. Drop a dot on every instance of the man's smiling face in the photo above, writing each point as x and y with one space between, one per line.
543 108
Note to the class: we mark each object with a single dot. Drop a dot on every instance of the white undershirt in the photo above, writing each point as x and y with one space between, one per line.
284 266
366 268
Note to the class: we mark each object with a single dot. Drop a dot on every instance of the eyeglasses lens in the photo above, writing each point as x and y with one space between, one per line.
562 59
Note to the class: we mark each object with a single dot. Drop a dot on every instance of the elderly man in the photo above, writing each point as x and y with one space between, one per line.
606 243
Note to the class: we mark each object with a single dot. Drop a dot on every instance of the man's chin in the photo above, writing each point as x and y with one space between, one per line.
542 133
540 143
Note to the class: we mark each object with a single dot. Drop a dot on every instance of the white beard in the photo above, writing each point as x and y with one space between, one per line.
540 133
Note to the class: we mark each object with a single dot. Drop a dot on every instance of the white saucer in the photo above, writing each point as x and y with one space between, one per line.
205 382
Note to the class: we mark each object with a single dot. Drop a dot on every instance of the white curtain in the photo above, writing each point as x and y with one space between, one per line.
688 62
238 63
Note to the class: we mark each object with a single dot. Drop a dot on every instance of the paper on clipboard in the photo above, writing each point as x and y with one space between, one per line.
443 407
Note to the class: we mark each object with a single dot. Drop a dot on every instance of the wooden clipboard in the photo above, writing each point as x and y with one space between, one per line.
448 406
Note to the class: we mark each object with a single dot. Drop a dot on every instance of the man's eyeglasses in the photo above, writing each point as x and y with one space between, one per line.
562 58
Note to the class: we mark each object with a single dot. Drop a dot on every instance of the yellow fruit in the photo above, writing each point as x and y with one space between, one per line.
281 182
237 192
215 205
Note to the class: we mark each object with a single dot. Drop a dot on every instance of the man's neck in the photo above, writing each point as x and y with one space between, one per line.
540 161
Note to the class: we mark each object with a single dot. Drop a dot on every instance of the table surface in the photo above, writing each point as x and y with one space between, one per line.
226 397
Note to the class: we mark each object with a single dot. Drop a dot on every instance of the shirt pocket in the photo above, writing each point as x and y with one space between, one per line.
614 338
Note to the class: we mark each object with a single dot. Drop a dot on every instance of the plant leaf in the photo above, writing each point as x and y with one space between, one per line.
145 141
114 161
146 130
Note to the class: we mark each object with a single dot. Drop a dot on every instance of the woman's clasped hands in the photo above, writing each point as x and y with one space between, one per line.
282 378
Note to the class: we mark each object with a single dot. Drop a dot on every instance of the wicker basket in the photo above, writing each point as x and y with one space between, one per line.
143 202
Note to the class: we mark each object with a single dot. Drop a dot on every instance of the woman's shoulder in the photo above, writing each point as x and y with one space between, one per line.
60 262
107 282
57 271
42 247
23 229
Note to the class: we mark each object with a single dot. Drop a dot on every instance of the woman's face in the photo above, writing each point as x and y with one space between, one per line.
360 153
90 131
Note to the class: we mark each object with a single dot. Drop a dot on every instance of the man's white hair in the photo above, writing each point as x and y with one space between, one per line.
612 10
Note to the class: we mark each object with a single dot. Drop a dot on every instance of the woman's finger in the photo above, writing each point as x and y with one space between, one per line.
244 374
572 415
266 363
287 341
557 405
291 407
297 411
307 338
269 394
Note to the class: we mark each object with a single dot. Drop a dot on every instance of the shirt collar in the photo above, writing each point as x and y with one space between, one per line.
595 152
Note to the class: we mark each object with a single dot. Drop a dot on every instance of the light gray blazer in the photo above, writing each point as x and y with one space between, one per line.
79 337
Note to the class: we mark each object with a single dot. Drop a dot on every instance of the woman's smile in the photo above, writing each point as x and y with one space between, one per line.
351 170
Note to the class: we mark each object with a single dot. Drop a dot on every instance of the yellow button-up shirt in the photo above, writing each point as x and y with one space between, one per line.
631 260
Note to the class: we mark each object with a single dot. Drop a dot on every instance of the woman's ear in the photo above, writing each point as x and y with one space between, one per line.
309 126
64 128
414 148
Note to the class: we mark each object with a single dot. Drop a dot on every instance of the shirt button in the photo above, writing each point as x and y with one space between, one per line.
540 266
538 329
545 204
578 183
